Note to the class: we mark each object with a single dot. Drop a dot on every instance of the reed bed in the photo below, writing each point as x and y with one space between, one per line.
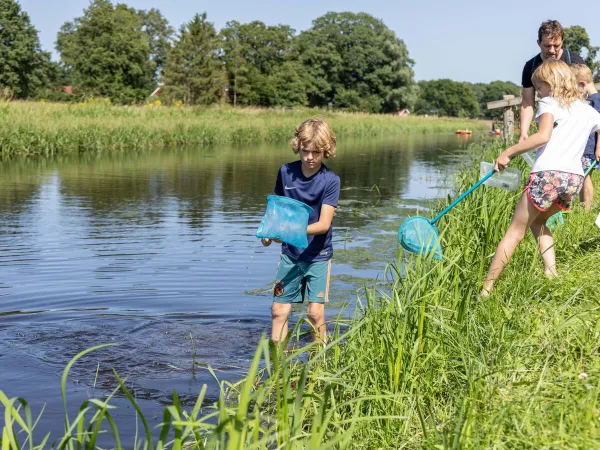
32 128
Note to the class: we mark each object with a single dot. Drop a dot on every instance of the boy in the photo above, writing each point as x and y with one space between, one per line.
585 84
305 273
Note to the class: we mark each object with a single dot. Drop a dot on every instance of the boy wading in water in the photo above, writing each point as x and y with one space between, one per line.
305 273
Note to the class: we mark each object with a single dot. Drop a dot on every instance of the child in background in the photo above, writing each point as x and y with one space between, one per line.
564 124
585 84
305 273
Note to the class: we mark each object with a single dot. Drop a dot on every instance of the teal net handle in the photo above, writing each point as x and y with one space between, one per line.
587 172
455 202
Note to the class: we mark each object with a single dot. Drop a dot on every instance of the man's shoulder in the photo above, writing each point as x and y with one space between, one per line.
575 57
531 64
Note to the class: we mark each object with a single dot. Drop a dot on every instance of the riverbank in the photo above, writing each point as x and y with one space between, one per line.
426 363
432 365
30 128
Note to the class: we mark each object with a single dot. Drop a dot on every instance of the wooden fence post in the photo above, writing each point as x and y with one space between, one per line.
509 120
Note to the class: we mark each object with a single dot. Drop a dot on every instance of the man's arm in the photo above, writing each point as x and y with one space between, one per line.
528 101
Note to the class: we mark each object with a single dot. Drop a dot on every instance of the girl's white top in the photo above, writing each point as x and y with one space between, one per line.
572 127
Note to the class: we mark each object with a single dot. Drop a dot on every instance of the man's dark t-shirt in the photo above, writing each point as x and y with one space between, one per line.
567 56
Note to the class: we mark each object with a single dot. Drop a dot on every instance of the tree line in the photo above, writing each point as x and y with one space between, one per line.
348 61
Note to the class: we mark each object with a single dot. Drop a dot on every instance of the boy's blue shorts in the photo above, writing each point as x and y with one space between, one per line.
299 280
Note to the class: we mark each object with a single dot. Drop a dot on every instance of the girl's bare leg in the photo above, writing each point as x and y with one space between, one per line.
525 214
545 240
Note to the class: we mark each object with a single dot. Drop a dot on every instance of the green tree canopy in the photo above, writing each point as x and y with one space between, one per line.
356 62
262 65
159 34
447 98
489 92
578 40
193 71
24 67
108 50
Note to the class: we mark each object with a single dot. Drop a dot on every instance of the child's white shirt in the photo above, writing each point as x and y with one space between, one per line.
572 127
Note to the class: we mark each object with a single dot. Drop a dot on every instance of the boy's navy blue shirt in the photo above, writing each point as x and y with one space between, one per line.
322 188
590 147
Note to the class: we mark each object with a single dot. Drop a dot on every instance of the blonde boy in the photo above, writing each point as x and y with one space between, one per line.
304 273
585 84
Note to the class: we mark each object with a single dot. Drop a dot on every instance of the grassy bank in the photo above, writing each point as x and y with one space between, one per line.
427 364
28 128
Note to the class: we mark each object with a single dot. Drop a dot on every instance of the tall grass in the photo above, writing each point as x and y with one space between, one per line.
28 128
426 364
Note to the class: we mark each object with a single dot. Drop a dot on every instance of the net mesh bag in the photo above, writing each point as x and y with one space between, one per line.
285 219
418 235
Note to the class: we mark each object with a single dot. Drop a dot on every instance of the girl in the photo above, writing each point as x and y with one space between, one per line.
565 123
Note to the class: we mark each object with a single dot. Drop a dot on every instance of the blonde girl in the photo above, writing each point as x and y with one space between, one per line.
564 124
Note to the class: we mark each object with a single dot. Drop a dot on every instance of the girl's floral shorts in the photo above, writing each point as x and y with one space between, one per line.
553 187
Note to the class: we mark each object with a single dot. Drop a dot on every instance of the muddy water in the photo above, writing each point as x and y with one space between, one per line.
155 251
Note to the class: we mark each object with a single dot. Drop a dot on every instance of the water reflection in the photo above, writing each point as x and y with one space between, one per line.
156 250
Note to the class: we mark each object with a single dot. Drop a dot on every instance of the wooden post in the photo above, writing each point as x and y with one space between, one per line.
509 119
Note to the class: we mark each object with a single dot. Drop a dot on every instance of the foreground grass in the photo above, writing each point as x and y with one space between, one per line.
427 364
28 128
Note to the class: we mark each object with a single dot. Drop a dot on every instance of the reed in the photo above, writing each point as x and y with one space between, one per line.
32 128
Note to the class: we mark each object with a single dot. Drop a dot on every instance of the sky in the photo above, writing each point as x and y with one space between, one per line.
471 40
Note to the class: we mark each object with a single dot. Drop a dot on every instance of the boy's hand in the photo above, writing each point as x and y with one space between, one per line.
266 242
502 162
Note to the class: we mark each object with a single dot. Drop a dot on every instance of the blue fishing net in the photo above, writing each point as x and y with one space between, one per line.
418 235
285 219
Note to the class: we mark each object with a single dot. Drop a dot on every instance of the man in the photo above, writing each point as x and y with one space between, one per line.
550 41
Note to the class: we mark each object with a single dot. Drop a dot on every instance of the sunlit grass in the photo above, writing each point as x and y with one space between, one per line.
28 128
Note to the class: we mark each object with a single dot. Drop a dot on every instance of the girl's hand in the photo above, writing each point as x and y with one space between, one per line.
502 162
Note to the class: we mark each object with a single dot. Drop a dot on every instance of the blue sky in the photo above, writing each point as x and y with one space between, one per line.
465 41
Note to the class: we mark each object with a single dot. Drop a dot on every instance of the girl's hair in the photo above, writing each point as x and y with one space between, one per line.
582 73
561 79
316 132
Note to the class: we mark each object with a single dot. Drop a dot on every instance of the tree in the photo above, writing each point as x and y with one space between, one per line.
193 70
262 64
489 92
24 67
356 62
577 39
159 34
447 98
108 50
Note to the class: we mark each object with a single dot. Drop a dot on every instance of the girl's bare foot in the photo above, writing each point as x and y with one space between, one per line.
486 291
551 273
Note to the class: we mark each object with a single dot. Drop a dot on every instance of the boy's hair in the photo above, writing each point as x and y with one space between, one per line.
561 79
551 29
316 132
582 73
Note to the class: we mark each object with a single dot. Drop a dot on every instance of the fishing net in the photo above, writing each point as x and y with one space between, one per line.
418 235
285 219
